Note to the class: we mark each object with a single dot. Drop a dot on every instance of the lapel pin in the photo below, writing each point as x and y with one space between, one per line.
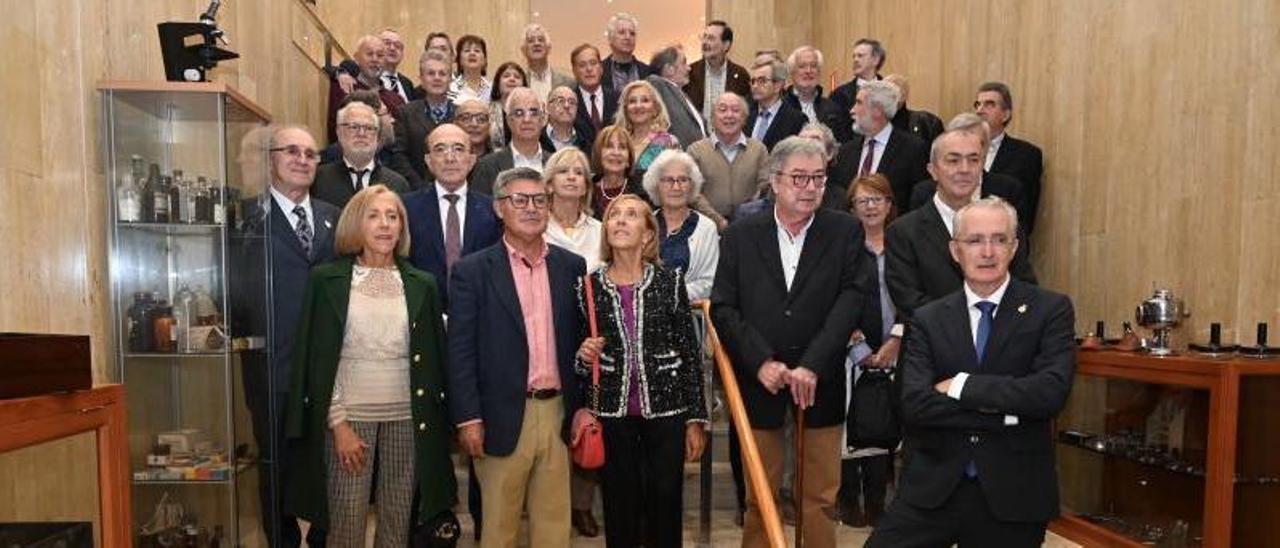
328 224
1022 309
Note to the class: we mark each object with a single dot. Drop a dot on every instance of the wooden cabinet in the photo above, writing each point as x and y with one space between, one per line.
1172 451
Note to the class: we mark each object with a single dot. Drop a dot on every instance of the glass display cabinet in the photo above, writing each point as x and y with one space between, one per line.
189 303
1173 451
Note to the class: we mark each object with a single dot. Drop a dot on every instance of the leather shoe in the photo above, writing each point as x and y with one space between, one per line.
852 515
585 523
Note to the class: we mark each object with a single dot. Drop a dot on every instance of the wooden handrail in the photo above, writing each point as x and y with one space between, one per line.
755 476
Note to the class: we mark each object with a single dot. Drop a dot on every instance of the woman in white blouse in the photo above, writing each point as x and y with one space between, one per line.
571 226
472 62
688 239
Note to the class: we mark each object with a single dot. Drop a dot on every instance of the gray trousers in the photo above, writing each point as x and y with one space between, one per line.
392 443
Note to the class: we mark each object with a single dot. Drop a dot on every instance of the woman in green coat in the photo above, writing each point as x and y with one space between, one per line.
368 381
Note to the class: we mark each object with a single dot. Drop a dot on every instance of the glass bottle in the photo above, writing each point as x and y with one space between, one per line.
187 197
161 195
149 194
140 332
215 200
129 193
163 324
175 197
204 209
206 309
183 318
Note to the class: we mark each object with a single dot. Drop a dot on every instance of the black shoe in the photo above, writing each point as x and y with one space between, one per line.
585 523
852 515
739 518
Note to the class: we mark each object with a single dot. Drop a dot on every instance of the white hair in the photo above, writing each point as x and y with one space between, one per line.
994 203
883 95
620 17
795 57
658 168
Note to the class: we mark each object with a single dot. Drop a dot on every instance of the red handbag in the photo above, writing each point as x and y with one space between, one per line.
588 451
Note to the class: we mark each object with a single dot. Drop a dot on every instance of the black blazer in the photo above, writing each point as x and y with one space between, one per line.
583 122
845 94
788 121
736 79
351 68
333 182
921 123
918 264
827 111
1024 162
491 164
488 367
606 72
903 162
993 184
413 125
686 123
389 156
1027 370
480 229
759 319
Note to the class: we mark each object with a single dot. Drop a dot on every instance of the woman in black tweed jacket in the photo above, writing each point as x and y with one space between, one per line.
652 407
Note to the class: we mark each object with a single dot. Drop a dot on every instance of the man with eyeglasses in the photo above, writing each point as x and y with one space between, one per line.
562 112
772 119
513 335
414 121
596 103
358 137
985 371
788 291
715 73
447 219
919 267
526 117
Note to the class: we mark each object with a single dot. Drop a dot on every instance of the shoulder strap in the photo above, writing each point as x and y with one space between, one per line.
595 332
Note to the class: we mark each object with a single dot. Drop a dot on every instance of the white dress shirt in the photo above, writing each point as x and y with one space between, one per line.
790 247
287 206
596 97
975 315
881 139
583 240
533 162
714 87
731 150
993 150
949 215
363 181
444 211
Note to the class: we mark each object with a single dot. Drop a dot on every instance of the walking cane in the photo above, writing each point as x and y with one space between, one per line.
797 489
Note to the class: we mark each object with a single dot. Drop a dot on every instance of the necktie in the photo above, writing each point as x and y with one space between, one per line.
438 113
762 126
871 154
452 232
357 180
595 112
980 346
303 228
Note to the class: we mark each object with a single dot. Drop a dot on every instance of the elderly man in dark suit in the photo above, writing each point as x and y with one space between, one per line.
513 335
990 184
787 294
878 147
526 118
359 133
1007 154
621 66
715 73
448 221
805 67
771 119
596 104
869 56
670 75
300 230
985 371
416 119
918 264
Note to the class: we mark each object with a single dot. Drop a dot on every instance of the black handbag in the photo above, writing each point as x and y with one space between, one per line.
874 409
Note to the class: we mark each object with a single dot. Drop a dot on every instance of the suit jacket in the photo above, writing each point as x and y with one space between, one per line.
413 125
320 342
736 79
488 353
410 90
493 163
606 67
808 325
1027 369
333 182
993 184
921 123
846 93
389 156
1024 162
685 122
480 229
918 264
827 111
788 121
583 123
903 162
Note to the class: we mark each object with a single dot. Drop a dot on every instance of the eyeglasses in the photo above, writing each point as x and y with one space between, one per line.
526 113
520 200
297 152
761 80
443 150
802 180
563 101
869 200
684 181
473 118
979 241
359 128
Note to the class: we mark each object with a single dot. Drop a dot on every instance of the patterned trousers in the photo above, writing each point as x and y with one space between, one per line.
392 443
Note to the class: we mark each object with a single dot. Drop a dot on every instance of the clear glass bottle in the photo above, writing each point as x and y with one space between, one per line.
161 197
149 192
129 192
187 197
175 198
216 201
206 309
183 318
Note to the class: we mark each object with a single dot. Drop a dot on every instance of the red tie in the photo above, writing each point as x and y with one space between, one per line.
866 162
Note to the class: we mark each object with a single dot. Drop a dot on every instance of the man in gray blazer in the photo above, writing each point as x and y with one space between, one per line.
527 117
670 74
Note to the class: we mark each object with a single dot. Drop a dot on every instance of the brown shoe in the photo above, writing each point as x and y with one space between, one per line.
585 523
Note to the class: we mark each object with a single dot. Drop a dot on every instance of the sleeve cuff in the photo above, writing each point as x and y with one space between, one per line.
1010 420
897 330
957 385
470 422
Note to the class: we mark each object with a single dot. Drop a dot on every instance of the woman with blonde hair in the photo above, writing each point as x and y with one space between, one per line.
644 116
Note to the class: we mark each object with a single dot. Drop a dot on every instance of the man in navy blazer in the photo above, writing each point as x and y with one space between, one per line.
431 247
512 391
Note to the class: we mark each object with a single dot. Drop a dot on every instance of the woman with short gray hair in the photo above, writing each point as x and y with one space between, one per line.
688 240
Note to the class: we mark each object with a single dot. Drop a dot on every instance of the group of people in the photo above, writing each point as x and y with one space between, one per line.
458 237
